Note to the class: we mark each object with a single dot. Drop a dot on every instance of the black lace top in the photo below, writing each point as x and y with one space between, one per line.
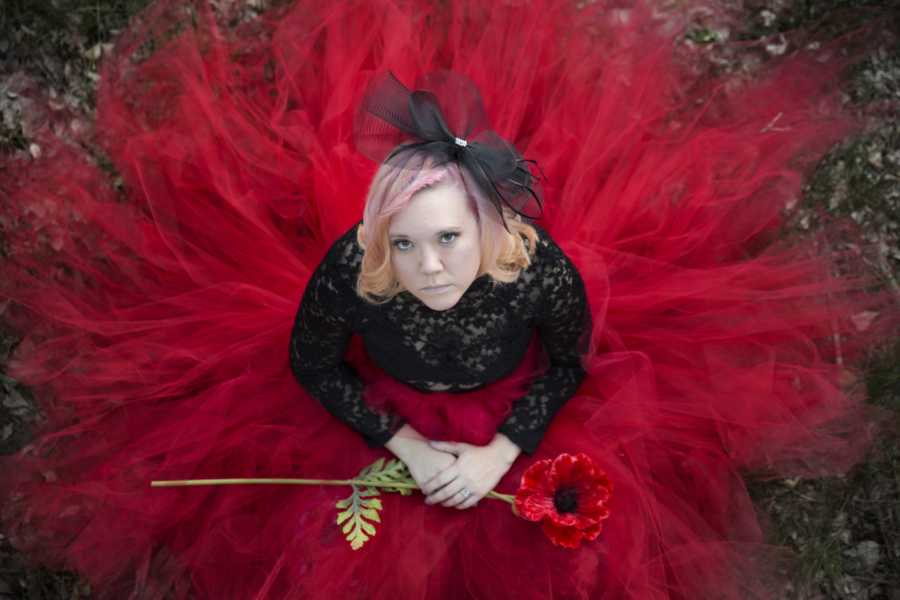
479 340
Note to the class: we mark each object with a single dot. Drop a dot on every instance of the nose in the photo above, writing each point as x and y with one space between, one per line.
430 261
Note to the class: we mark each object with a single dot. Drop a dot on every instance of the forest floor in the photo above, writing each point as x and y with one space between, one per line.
844 531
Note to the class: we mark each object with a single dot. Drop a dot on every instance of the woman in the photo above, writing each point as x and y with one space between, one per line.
431 231
158 314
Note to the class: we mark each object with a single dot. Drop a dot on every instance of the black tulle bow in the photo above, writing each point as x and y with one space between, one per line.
394 121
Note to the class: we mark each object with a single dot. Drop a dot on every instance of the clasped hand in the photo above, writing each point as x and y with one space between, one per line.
443 470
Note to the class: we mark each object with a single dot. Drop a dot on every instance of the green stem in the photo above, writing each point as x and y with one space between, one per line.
290 481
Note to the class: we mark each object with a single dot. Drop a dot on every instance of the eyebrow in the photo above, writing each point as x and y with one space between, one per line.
451 229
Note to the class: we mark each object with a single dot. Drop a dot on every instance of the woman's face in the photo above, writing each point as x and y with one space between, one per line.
436 246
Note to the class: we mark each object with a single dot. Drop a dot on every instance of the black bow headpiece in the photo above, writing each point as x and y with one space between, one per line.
393 121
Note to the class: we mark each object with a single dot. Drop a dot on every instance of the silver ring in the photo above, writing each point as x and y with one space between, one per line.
466 493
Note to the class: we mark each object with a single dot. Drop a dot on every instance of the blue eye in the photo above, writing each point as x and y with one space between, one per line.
448 237
402 245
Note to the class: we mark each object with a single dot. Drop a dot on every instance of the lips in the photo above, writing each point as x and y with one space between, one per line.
436 289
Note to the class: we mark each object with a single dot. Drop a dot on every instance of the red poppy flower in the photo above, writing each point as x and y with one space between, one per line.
569 495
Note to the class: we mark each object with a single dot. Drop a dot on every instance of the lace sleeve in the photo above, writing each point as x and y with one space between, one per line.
564 324
319 339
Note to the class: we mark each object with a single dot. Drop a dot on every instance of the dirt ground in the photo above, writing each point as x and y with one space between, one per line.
845 531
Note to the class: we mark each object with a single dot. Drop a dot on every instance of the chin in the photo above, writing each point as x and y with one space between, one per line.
442 302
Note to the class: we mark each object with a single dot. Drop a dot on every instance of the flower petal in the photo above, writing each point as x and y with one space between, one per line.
594 504
564 519
561 471
567 537
536 477
584 468
591 533
534 506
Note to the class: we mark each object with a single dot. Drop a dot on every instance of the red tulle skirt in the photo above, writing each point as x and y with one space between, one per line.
157 301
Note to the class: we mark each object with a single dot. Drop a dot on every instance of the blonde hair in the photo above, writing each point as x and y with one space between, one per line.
504 254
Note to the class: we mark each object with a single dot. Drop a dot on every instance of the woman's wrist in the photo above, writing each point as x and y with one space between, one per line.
402 440
507 448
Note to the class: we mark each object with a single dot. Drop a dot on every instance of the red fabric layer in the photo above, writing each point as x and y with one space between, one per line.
158 315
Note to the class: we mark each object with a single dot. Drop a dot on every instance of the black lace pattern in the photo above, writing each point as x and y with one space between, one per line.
481 339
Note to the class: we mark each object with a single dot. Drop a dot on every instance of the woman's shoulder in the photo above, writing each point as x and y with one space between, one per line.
547 253
552 266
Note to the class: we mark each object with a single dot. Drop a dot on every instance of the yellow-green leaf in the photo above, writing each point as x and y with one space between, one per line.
372 503
344 516
367 527
371 514
361 508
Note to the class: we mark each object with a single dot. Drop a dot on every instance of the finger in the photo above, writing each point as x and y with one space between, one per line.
458 496
470 502
461 501
445 492
450 447
439 480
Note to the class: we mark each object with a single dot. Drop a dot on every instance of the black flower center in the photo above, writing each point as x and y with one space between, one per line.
565 500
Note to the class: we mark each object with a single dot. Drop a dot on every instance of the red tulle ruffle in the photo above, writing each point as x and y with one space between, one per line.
472 417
